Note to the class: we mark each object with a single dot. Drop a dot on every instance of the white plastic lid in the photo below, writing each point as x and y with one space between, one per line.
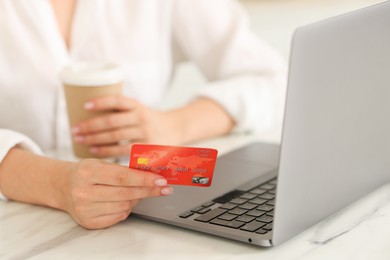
87 74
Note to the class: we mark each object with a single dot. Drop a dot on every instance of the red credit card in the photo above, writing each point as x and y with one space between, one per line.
179 165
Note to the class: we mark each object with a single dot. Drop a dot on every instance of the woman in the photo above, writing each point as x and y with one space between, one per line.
148 38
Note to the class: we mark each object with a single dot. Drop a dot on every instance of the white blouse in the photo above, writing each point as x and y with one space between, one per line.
148 38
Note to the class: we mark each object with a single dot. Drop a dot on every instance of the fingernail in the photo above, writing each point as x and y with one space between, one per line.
89 105
76 130
166 191
160 182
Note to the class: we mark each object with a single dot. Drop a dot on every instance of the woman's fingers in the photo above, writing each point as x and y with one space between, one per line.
90 172
100 194
116 175
112 102
106 122
110 137
127 122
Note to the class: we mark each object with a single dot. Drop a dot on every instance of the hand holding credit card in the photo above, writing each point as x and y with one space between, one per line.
179 165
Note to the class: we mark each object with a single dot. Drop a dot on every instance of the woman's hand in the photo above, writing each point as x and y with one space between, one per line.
98 194
130 121
95 193
109 135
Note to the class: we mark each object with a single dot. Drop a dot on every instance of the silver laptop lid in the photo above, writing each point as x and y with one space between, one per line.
336 143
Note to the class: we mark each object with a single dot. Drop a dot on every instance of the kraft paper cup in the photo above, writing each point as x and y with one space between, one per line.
83 82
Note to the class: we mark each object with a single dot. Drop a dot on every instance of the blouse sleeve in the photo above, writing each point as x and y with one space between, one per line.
246 76
10 139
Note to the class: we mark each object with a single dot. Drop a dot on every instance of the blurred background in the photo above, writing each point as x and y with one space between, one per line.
275 22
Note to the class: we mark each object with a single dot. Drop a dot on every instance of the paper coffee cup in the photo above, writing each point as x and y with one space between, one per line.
83 82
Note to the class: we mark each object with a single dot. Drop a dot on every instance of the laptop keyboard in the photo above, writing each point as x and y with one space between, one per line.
250 211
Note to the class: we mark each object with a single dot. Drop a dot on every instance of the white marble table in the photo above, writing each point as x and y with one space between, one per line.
362 231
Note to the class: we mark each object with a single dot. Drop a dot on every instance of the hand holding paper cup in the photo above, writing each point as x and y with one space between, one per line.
83 82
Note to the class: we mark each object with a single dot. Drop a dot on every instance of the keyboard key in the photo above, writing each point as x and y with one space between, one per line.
228 206
238 211
248 196
211 215
245 218
267 196
258 201
268 227
248 206
187 214
270 213
231 224
265 219
265 207
227 216
197 209
273 191
255 213
258 191
261 231
267 186
271 202
204 210
238 201
253 226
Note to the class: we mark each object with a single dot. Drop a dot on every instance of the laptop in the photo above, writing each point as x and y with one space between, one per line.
335 144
